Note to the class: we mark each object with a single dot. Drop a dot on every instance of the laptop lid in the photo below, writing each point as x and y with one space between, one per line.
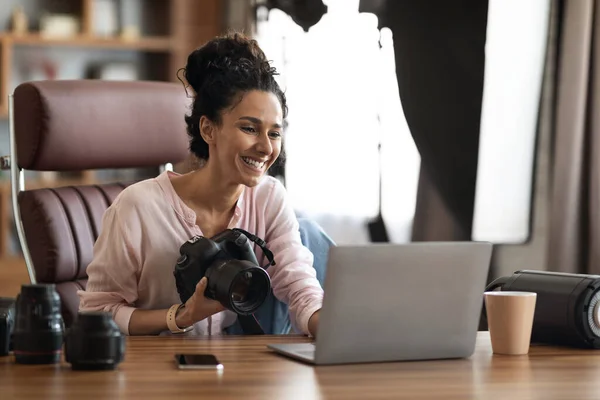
389 302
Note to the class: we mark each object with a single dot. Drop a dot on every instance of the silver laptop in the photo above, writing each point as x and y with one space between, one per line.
390 302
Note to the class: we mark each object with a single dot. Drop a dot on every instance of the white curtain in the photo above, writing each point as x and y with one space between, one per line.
342 93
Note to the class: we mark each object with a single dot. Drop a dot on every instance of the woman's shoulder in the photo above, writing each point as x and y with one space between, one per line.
268 188
137 195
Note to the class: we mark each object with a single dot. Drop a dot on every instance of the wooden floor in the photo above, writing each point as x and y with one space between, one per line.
13 274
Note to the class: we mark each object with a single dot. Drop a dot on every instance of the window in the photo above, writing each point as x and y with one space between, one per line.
517 34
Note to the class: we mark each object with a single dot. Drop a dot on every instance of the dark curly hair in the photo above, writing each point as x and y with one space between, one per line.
220 72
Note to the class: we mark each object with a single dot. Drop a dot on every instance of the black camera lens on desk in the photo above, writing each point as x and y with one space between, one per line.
7 322
94 342
38 330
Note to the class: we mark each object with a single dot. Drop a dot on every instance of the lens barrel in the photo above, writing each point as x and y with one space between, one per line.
238 285
94 342
38 331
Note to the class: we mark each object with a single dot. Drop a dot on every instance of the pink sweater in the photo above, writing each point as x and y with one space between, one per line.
138 246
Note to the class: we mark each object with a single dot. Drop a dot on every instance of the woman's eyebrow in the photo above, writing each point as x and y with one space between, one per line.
258 121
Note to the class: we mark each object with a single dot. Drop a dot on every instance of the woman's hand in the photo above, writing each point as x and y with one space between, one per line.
198 307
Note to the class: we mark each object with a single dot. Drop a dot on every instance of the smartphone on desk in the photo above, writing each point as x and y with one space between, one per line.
197 361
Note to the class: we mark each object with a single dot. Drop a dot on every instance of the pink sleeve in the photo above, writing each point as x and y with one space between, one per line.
112 274
293 278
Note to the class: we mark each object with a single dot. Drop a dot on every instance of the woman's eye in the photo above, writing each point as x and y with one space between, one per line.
248 129
275 134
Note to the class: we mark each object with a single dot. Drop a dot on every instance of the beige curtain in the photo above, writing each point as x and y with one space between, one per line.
574 220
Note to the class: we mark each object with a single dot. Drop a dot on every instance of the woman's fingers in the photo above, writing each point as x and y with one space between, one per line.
201 286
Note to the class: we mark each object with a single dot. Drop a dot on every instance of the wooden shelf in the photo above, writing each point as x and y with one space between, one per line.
170 34
5 70
155 44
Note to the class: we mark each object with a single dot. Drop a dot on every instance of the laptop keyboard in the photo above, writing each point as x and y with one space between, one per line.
309 351
306 353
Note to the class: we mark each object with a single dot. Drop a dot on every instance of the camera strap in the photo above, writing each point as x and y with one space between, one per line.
260 243
250 325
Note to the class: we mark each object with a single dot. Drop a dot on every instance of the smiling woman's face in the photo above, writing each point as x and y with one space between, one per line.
248 139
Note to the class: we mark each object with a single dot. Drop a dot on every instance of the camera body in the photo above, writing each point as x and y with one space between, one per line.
228 261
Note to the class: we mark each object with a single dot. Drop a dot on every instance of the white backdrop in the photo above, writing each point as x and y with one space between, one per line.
340 83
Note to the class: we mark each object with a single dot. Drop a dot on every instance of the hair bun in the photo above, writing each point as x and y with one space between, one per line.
225 54
221 72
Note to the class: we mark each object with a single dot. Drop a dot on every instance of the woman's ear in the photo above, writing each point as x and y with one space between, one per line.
207 129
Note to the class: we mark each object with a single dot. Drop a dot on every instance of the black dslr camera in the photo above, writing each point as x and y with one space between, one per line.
235 278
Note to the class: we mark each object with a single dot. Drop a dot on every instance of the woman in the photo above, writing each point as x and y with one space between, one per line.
235 129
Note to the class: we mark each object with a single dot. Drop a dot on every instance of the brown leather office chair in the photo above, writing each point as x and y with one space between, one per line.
83 125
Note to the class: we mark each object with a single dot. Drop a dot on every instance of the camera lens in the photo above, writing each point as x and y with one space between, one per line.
38 331
94 342
239 285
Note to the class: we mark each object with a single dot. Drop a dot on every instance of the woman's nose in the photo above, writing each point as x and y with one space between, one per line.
264 144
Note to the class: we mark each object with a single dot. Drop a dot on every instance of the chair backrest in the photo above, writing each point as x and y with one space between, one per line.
82 125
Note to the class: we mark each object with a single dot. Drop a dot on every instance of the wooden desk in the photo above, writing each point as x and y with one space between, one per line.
253 372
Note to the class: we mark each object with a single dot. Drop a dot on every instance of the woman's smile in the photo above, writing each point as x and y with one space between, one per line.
255 165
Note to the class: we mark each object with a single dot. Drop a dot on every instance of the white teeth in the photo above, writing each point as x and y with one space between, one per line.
254 163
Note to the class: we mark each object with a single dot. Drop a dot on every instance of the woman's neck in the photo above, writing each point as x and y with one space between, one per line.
206 189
